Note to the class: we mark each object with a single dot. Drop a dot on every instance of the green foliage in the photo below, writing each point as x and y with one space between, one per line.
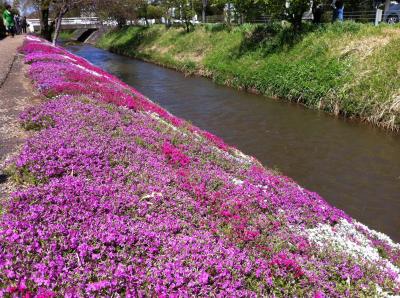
185 12
290 10
2 28
22 176
148 11
244 8
120 10
154 12
273 37
382 252
216 27
66 35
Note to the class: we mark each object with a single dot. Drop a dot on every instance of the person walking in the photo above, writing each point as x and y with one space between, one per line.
8 20
338 10
317 11
17 21
24 24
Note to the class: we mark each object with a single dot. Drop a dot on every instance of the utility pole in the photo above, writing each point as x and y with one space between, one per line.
203 12
387 5
229 13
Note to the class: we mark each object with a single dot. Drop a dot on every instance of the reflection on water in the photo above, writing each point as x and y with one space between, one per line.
353 166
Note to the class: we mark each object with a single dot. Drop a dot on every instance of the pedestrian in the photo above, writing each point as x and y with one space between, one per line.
8 20
338 10
317 11
17 23
24 24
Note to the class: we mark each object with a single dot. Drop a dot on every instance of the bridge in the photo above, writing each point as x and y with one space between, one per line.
85 29
73 23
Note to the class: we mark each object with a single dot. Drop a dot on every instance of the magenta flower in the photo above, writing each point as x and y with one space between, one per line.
123 199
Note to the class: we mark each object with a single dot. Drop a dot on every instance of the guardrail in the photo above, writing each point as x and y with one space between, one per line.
71 21
365 16
88 21
357 16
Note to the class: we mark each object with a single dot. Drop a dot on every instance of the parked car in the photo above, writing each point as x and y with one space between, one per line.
392 15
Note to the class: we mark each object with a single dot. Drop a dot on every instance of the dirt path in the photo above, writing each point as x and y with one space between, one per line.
8 49
16 94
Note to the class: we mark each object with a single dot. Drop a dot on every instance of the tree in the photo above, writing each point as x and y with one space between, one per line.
225 4
229 13
295 11
148 11
2 28
120 10
185 12
154 12
243 9
167 7
387 5
203 12
143 11
61 7
44 10
48 8
181 9
290 10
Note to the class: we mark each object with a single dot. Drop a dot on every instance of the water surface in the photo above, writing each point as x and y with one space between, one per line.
353 166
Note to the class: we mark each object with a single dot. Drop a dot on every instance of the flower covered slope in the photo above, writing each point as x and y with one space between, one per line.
118 197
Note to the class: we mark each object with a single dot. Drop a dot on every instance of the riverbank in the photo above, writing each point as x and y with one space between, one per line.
348 69
119 196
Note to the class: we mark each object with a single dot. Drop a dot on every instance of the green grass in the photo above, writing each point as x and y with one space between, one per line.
344 68
66 35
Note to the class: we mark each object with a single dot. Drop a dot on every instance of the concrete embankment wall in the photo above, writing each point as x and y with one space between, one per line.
90 36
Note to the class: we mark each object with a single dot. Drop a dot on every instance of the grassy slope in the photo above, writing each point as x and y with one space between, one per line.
66 35
346 68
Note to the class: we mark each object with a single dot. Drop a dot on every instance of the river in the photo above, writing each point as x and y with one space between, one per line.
355 167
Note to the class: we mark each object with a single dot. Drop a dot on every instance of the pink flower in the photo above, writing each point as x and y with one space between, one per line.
203 278
319 294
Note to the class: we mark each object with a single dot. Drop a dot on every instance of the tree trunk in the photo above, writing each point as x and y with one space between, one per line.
387 5
121 22
187 24
45 31
229 14
203 13
57 29
58 22
297 22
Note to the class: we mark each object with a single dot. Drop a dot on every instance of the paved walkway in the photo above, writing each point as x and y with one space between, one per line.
8 50
16 94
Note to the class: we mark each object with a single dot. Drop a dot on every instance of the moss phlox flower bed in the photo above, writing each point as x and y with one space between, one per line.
119 198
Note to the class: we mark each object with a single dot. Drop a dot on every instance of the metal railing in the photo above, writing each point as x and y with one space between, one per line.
358 16
361 16
70 21
365 16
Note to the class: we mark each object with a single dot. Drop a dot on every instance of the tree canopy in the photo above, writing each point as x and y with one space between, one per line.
123 11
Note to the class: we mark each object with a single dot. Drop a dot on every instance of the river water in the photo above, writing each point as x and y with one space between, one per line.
353 166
